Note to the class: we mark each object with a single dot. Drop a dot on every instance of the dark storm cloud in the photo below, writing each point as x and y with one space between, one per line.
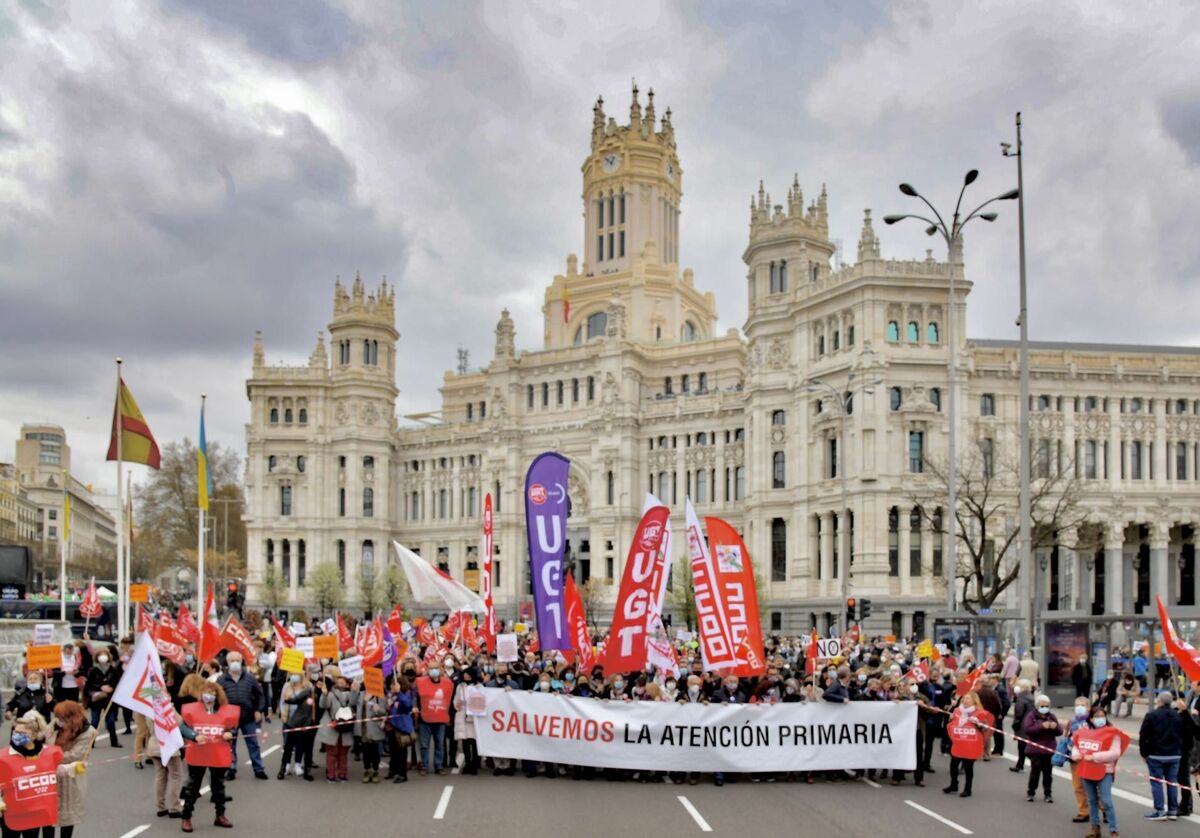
298 31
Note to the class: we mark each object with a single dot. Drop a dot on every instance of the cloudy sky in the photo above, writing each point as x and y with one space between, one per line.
176 175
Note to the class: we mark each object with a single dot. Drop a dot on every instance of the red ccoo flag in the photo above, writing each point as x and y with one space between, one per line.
210 629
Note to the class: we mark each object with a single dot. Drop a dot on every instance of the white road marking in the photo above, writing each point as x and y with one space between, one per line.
440 811
137 830
871 783
696 816
1063 774
938 817
265 753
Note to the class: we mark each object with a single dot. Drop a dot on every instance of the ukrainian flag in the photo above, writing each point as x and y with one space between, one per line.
204 485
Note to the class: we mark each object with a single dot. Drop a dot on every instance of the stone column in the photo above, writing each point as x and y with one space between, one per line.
1114 568
1070 571
1114 459
905 541
826 550
1162 456
1160 569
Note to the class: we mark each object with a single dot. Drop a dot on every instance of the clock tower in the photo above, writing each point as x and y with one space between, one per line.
632 188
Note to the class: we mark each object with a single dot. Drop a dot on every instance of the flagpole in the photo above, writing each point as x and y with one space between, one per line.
119 421
128 535
62 559
200 540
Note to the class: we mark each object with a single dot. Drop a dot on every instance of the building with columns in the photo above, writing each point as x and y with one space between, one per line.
633 381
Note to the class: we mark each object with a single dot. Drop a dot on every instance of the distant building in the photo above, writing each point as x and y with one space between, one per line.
20 518
632 382
43 464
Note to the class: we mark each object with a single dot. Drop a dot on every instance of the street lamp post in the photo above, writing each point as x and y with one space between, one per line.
844 401
1024 540
952 234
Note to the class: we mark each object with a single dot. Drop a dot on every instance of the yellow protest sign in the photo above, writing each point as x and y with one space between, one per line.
325 646
291 660
925 649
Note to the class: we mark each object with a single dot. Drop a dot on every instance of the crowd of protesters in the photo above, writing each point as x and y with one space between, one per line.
421 725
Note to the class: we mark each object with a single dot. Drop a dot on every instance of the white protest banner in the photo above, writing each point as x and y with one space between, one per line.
828 648
655 736
305 645
506 648
299 629
43 634
351 668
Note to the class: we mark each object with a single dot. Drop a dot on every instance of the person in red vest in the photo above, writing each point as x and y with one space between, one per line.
969 728
29 781
211 721
434 693
1095 749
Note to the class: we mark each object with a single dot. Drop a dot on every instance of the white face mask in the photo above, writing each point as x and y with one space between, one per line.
102 659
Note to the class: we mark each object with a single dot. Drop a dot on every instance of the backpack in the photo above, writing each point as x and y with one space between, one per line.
343 720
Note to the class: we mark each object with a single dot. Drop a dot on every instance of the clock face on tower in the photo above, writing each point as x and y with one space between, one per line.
611 162
671 172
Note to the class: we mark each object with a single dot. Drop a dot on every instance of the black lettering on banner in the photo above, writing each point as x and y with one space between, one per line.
800 734
710 737
861 733
693 736
762 737
628 741
885 734
783 735
668 737
644 736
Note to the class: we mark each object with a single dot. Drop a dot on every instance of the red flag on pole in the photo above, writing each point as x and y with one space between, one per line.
1188 657
633 617
371 645
395 621
577 625
210 629
488 629
91 607
735 585
236 638
285 636
968 683
345 640
187 626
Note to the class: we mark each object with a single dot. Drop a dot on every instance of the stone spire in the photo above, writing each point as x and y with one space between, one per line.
635 111
505 337
318 359
668 130
357 292
598 122
650 110
868 244
259 355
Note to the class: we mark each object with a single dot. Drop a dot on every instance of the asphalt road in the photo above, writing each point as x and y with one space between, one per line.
121 805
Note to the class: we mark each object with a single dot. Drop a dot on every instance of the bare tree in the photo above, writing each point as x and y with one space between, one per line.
681 592
273 589
591 593
986 525
326 587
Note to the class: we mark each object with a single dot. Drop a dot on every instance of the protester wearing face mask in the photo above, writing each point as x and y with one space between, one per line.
1081 677
30 762
1042 729
502 681
1022 706
1079 720
210 722
297 704
102 679
910 691
245 692
373 712
434 695
338 701
968 726
1096 748
401 701
67 681
839 691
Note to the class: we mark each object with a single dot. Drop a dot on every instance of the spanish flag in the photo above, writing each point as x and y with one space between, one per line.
204 485
566 306
137 443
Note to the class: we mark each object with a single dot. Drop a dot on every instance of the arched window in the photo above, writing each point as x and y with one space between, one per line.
701 438
300 464
895 398
778 470
366 352
893 542
779 417
374 353
368 503
529 396
783 276
703 382
274 416
301 560
546 394
575 390
287 416
597 325
270 552
913 332
287 563
559 392
591 388
689 331
893 331
837 341
304 416
932 333
341 560
935 397
271 463
443 506
914 542
739 483
821 345
368 558
849 336
1043 403
368 462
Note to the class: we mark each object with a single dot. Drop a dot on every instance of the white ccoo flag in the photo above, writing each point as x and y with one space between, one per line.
143 691
427 582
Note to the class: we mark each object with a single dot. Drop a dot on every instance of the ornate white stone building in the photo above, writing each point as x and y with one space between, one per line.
635 385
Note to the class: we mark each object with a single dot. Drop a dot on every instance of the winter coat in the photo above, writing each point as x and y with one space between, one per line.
371 710
97 678
1021 708
1161 734
400 708
245 692
1046 737
464 723
298 705
331 702
72 787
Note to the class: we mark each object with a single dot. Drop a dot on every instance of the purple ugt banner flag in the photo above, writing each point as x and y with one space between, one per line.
389 652
546 526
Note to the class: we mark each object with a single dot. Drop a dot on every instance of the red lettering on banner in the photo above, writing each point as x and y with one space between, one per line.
606 732
498 721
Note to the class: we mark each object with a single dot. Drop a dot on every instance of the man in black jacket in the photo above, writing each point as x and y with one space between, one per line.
1081 677
1160 742
839 691
243 690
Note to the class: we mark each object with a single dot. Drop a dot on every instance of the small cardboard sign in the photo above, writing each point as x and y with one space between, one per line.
299 629
521 628
305 645
373 681
506 648
325 646
329 626
43 634
476 701
828 647
351 667
43 657
684 636
291 660
139 592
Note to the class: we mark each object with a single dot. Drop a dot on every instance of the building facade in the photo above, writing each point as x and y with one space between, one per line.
635 384
43 465
20 518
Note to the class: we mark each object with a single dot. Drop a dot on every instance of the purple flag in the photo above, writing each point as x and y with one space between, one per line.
389 652
546 526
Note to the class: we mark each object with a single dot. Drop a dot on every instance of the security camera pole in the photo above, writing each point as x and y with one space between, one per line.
952 235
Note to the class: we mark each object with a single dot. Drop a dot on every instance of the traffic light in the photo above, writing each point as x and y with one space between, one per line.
864 609
850 610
